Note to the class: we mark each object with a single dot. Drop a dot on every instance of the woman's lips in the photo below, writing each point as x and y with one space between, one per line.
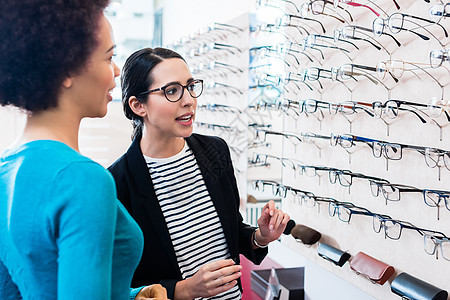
185 120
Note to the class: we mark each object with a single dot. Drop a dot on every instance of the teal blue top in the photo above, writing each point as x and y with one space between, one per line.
63 233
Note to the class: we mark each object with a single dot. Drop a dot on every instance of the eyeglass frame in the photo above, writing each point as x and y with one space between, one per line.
163 88
438 241
339 173
383 219
383 106
445 195
352 210
445 57
399 187
432 12
306 7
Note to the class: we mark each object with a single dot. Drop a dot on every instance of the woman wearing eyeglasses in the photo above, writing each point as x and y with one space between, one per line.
180 187
63 233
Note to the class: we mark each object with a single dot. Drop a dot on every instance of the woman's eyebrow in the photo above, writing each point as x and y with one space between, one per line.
179 82
110 49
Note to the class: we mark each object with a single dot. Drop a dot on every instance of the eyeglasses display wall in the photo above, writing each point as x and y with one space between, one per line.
340 109
218 54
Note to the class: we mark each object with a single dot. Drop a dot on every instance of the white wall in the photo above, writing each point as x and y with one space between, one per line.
11 124
180 18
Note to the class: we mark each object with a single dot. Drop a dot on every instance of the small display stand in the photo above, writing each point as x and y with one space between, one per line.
291 282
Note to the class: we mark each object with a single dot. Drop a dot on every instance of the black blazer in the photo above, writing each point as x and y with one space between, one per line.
135 190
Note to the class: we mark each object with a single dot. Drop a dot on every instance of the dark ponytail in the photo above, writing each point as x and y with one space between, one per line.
137 78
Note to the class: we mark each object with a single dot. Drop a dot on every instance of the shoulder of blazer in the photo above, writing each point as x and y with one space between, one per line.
133 167
200 140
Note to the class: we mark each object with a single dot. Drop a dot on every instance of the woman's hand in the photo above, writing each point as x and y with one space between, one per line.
154 291
210 280
272 223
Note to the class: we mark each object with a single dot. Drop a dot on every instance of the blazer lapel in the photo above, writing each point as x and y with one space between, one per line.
141 177
209 159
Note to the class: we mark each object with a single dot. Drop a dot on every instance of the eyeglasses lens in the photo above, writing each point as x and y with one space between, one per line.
436 12
347 107
374 188
393 151
310 106
344 213
309 171
309 201
345 179
391 109
377 224
447 160
381 69
436 58
396 22
397 67
429 244
393 229
378 26
431 198
377 109
195 88
390 192
348 32
445 247
317 7
431 157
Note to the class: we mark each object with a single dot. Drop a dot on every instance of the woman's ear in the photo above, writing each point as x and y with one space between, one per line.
67 83
136 106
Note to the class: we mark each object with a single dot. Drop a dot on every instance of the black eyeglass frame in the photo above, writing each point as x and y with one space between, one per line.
191 83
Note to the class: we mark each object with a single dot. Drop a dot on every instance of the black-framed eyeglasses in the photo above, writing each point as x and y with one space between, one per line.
277 189
174 91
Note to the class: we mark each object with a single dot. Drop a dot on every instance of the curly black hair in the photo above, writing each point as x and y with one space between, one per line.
43 42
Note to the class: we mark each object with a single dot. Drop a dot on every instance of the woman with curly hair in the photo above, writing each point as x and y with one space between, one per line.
63 233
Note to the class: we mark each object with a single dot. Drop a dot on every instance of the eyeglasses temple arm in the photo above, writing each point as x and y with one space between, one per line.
429 21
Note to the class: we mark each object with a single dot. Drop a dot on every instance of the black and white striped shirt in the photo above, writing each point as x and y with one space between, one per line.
194 226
